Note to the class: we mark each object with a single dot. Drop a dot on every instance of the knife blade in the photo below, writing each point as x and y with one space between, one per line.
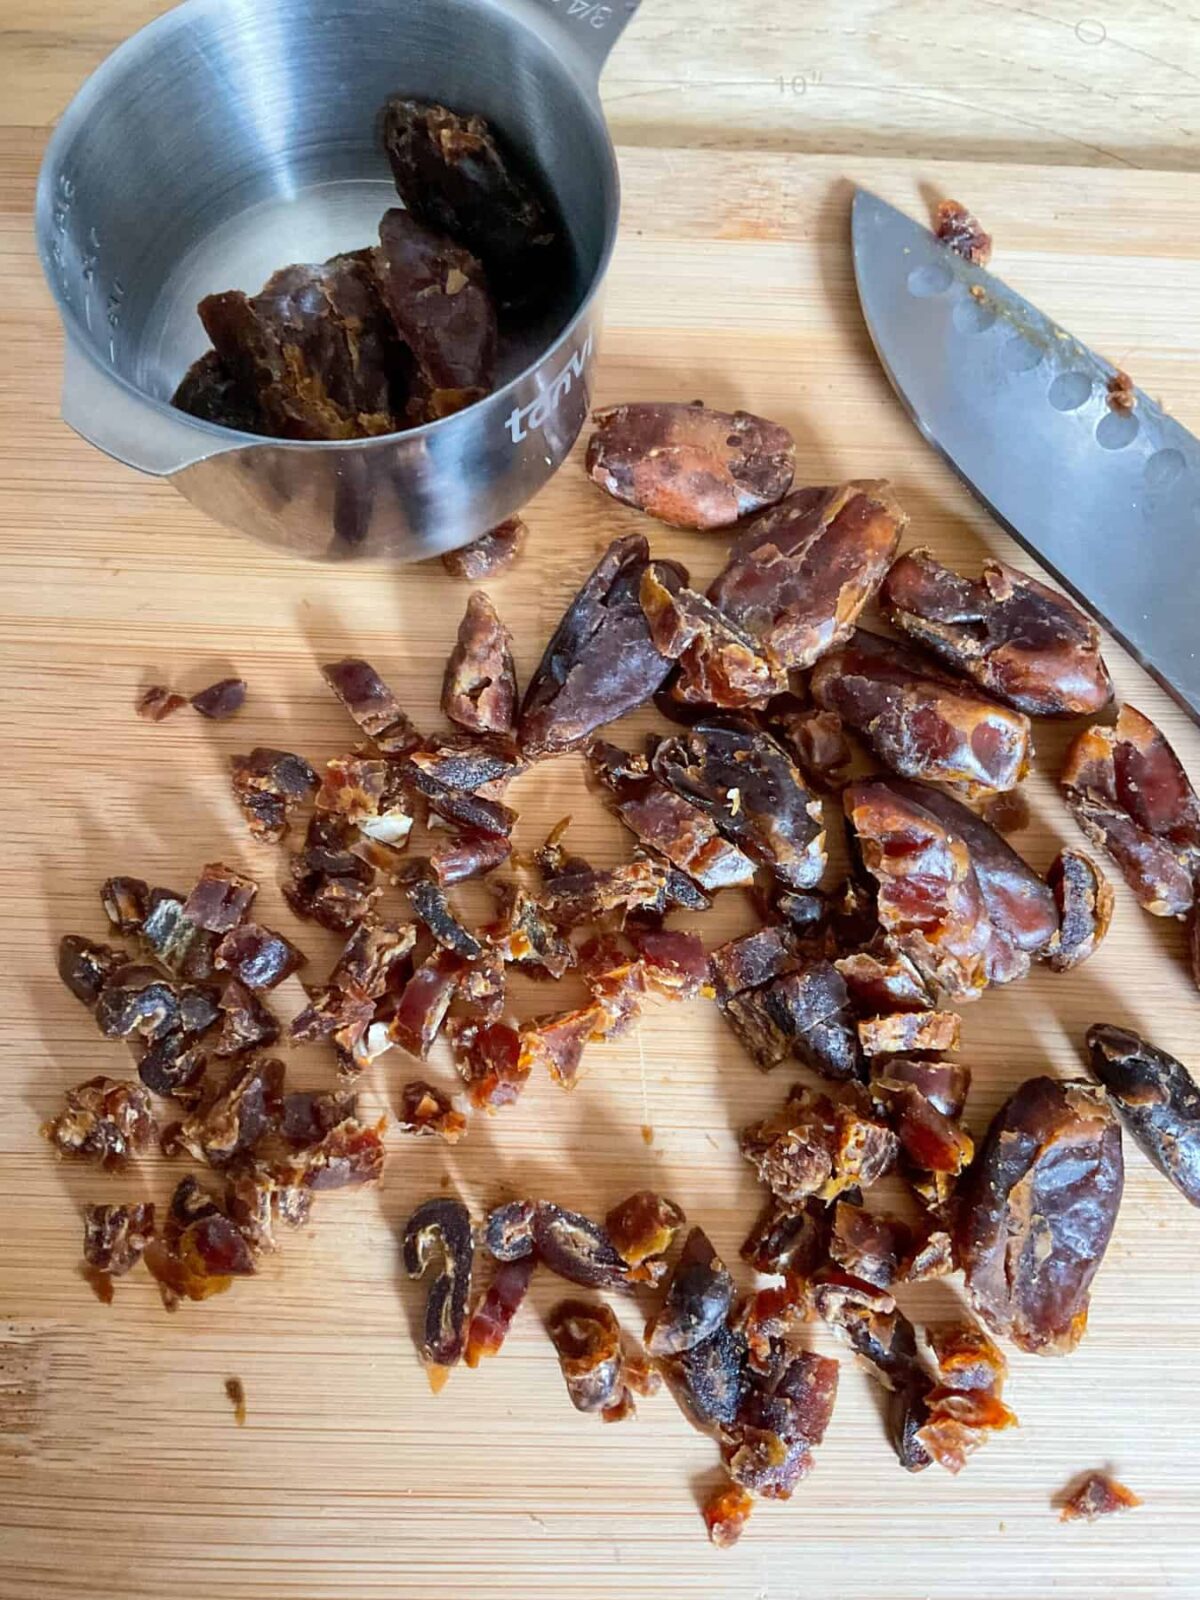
1107 501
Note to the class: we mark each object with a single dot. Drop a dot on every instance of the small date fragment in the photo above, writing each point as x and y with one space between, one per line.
959 230
489 555
1098 1494
726 1513
1156 1098
114 1240
221 700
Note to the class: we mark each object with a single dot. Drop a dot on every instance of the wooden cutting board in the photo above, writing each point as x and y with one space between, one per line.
121 1470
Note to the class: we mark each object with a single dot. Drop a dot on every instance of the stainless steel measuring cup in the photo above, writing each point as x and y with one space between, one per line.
230 137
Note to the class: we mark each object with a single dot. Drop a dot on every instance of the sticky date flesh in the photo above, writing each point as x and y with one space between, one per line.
480 687
1085 899
440 1230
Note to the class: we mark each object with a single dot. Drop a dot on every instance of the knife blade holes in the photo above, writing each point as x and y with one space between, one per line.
1018 355
1069 391
1116 429
972 316
929 280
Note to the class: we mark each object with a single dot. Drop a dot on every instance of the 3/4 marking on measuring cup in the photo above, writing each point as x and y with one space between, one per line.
524 420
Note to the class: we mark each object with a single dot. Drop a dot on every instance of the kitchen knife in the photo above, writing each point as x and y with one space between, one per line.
1107 500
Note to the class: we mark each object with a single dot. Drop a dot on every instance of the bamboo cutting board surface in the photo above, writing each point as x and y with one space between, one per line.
122 1473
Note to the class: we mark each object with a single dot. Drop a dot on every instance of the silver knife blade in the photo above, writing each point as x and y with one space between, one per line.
1108 501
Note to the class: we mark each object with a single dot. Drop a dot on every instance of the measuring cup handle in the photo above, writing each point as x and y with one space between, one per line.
124 426
590 28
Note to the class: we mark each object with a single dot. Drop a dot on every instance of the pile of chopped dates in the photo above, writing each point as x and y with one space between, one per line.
777 700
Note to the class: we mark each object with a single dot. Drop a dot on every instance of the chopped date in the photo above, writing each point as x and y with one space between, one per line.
575 1248
479 691
375 957
687 465
114 1240
174 1067
1156 1098
440 1230
929 901
752 961
959 230
361 789
674 964
257 956
185 949
221 700
870 1246
1019 903
788 1239
421 1007
437 296
314 348
333 1012
125 902
966 1358
768 1319
209 390
200 1249
489 555
581 893
104 1120
493 1315
257 1196
868 1320
372 705
424 1109
246 1108
526 933
906 1031
931 1138
945 1084
587 1338
557 1041
819 741
666 822
270 786
719 664
156 702
136 1003
1038 1207
247 1025
619 987
710 1378
1085 900
696 1301
768 1447
85 966
765 1040
350 1154
817 1146
958 1423
1128 791
801 572
882 980
811 1009
220 899
508 1230
454 173
643 1226
600 661
1007 813
726 1513
330 884
429 903
931 1255
745 782
459 806
308 1115
491 1061
919 721
1019 640
1097 1494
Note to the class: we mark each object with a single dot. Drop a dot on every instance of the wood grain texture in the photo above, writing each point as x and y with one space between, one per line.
1080 82
122 1474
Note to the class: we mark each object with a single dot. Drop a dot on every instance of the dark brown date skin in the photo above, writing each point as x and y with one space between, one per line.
489 555
752 961
1128 791
210 391
786 1239
437 296
811 1008
270 785
85 966
710 1378
801 572
696 1302
453 173
220 700
480 687
315 347
665 821
1038 1207
745 781
719 663
689 466
815 1146
1016 638
441 1229
372 705
1085 900
600 661
578 1249
919 721
1156 1098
